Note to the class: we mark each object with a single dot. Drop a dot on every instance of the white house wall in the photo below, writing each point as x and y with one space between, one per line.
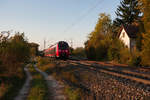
125 38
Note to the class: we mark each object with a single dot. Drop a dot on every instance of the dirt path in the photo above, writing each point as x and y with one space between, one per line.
55 88
26 87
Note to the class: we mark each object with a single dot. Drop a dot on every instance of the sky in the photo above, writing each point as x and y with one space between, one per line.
54 20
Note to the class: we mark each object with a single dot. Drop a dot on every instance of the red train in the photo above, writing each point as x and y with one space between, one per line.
59 50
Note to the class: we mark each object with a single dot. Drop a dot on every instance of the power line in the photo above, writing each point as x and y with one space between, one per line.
79 19
83 16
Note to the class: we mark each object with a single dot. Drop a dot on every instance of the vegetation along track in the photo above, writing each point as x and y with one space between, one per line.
138 78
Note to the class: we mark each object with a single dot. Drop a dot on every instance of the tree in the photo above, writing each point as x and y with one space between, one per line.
127 13
145 8
79 52
20 47
96 46
3 45
34 49
14 51
89 50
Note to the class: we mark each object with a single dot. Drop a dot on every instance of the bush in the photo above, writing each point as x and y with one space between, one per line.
101 50
90 52
80 52
146 50
135 61
135 58
43 61
114 50
14 51
72 93
125 56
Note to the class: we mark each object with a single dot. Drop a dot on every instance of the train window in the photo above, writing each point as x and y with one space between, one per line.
63 45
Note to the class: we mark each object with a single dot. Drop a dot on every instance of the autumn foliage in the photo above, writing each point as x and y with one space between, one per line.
103 42
14 51
145 8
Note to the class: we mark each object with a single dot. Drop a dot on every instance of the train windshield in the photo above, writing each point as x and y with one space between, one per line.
63 45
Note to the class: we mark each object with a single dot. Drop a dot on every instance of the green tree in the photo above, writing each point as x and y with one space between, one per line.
3 45
114 49
145 8
20 47
127 13
79 51
89 50
101 45
14 51
96 45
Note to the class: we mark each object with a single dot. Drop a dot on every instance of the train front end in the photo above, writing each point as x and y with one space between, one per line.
63 49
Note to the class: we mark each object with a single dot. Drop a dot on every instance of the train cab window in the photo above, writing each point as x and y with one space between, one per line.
63 45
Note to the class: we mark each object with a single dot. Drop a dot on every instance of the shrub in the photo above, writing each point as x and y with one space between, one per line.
72 93
14 51
135 58
124 56
90 52
114 50
101 50
135 61
43 61
80 52
146 50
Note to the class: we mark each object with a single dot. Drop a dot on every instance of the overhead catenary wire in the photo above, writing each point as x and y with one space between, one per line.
82 17
79 19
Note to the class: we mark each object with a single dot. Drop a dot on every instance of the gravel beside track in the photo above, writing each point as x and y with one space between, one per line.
122 73
108 86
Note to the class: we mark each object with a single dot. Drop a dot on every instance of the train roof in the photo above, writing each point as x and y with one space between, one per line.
57 43
62 41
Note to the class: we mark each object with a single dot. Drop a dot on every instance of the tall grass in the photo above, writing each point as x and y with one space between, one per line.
10 85
72 93
39 90
65 74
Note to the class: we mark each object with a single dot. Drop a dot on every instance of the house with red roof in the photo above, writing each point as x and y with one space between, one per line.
128 34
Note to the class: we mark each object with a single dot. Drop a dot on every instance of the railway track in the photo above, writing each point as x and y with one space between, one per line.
128 75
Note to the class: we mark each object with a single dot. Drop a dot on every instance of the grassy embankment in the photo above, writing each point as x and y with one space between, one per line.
50 66
11 84
39 90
